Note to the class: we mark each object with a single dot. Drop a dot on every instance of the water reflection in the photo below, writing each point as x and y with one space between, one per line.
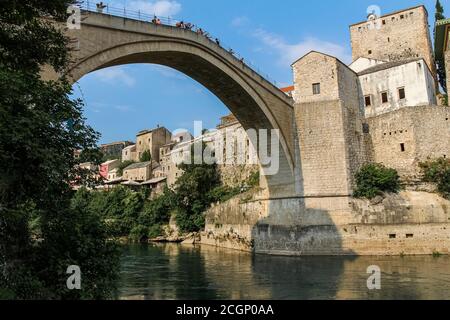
186 272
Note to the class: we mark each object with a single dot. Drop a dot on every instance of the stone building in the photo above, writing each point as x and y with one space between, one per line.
330 131
129 153
107 167
237 158
151 140
114 149
139 172
404 138
168 168
389 86
229 145
342 122
395 36
113 174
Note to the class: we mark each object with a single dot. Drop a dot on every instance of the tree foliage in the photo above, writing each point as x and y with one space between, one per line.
40 127
193 192
440 64
438 172
376 179
146 156
439 11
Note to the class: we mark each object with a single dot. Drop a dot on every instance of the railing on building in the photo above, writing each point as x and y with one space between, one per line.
168 21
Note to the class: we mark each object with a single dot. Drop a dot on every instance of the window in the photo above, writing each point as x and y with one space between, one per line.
402 147
384 97
384 21
409 236
402 16
368 101
370 51
316 88
401 93
392 236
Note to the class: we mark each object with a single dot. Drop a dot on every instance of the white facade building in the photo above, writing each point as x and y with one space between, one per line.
389 86
362 63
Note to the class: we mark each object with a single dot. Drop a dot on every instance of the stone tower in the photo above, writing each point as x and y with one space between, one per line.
330 129
396 36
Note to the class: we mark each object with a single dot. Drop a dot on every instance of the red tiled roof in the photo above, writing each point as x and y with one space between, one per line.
287 89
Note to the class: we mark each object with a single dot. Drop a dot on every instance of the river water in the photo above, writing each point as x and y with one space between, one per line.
169 271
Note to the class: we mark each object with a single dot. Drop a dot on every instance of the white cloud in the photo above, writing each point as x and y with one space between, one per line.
115 75
240 21
163 8
99 107
167 72
123 108
289 53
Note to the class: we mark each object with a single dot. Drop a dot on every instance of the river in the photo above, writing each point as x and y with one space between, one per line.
170 271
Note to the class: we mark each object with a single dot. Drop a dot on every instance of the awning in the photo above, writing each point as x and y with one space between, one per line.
131 183
114 181
154 181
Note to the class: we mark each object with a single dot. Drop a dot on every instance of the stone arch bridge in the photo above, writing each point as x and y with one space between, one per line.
106 40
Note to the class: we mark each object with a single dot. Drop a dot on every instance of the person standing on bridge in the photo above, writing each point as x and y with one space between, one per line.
218 42
200 31
156 20
100 7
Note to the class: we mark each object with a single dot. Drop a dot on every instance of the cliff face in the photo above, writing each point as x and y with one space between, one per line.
409 223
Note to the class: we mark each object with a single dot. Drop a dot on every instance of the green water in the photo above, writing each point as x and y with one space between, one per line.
187 272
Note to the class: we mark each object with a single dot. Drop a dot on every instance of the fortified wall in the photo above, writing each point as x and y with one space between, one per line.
395 36
341 124
404 138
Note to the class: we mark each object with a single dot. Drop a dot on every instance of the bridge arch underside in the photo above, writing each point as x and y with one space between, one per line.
235 90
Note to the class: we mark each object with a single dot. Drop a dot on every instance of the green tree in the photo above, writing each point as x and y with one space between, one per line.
438 172
440 64
40 127
375 179
146 156
192 192
439 11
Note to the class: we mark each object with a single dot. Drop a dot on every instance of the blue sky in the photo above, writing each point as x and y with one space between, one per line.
121 101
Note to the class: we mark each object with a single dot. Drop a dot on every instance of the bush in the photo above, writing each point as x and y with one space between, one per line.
189 222
139 233
438 172
375 179
223 193
146 156
154 231
157 211
253 180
